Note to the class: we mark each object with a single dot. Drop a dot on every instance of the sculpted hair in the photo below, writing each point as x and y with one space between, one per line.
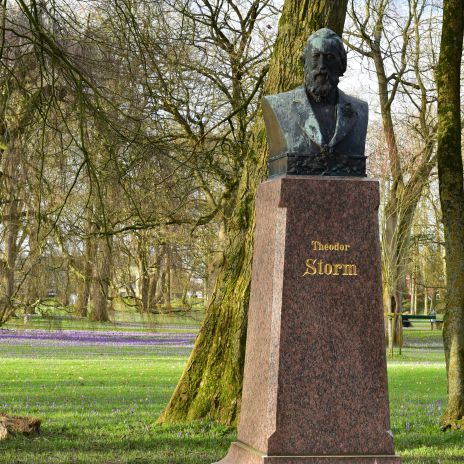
326 34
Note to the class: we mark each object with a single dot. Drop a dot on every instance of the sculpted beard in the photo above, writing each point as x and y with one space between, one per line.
319 84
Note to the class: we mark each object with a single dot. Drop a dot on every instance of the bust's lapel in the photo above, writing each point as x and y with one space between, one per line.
346 119
307 119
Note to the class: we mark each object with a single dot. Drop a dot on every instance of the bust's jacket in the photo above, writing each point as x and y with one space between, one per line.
292 127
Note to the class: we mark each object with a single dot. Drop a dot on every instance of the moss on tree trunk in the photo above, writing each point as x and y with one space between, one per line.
211 384
450 175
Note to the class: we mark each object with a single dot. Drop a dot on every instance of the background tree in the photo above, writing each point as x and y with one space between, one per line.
155 133
211 383
450 175
400 46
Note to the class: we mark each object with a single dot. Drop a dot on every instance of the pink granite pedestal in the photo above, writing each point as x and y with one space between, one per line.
315 382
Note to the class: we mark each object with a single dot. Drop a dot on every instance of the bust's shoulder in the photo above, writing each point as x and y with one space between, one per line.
356 103
285 98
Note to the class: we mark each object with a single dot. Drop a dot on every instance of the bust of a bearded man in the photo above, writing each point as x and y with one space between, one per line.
316 129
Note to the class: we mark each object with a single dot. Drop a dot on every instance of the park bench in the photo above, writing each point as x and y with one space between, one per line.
408 318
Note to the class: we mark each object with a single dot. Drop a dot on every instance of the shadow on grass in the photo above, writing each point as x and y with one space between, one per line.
201 442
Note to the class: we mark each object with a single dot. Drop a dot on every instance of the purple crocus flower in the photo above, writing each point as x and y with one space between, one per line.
100 337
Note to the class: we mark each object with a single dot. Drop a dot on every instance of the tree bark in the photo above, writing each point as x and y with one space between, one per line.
33 287
154 278
11 236
85 284
167 278
144 276
426 300
450 176
11 226
101 281
211 384
186 288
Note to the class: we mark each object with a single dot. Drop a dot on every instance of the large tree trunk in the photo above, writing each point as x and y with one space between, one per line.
211 384
450 175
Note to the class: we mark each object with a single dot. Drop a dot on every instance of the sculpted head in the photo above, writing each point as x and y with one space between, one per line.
324 62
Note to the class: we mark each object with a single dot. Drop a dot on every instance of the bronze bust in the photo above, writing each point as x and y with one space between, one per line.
316 129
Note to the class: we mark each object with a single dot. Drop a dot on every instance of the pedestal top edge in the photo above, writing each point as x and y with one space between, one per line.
288 190
286 177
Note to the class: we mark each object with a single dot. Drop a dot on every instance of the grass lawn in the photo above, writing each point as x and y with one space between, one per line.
59 319
99 403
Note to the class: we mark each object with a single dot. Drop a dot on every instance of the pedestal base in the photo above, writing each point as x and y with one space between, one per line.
239 453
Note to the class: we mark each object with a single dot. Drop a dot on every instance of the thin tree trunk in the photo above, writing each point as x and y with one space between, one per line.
145 292
415 297
398 335
11 226
34 275
167 281
101 281
144 277
433 301
11 236
450 176
390 326
83 294
426 300
161 277
160 293
205 292
85 284
211 384
67 286
186 288
154 278
152 291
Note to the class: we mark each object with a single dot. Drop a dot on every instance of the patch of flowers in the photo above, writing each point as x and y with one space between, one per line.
88 337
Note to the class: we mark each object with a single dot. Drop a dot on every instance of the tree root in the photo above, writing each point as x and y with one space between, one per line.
451 424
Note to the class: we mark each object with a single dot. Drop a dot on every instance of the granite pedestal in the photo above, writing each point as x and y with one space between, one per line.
315 382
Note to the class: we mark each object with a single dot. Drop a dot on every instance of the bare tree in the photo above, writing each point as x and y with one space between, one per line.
396 44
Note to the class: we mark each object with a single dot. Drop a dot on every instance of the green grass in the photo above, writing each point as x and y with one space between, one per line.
50 315
120 320
417 387
99 405
418 398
